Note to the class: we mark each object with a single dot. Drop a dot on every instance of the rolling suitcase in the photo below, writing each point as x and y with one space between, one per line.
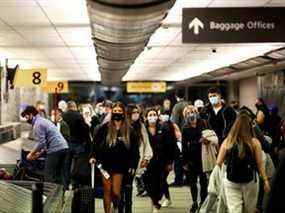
84 198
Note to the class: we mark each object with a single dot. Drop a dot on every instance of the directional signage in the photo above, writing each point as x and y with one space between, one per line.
36 77
56 87
146 87
233 25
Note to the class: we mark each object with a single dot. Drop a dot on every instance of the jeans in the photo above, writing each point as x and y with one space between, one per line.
56 168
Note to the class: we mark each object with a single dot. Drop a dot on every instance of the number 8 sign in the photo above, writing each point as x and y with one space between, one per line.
31 77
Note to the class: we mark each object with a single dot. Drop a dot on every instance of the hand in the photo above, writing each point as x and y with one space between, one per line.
30 157
144 163
169 168
132 171
92 161
37 155
185 167
205 141
266 186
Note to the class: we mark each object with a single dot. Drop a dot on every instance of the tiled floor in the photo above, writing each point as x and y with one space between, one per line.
181 198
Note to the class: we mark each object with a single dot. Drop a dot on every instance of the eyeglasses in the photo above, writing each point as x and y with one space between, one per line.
135 112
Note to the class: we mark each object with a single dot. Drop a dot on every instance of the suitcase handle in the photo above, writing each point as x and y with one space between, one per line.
93 175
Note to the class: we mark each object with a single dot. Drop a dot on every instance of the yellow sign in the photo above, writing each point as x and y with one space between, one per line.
146 87
31 77
56 87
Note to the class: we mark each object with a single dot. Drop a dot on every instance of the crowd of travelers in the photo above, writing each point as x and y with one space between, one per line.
236 154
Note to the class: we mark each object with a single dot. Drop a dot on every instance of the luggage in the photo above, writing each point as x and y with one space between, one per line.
84 198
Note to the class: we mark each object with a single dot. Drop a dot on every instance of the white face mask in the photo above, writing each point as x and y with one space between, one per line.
164 118
135 117
52 118
152 119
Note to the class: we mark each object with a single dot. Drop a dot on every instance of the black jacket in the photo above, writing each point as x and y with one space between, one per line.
79 130
129 156
163 147
276 195
222 122
191 147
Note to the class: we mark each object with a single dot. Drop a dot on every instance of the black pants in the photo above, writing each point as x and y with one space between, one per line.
178 169
56 168
154 179
165 186
193 176
126 203
76 151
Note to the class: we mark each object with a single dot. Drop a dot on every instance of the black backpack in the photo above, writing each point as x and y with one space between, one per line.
240 170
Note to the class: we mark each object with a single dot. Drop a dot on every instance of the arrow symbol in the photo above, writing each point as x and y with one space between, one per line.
196 24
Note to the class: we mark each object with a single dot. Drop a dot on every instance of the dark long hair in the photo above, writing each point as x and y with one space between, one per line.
146 113
124 130
241 133
135 125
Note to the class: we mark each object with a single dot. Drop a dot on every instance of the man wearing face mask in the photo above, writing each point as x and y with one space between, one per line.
219 117
50 140
177 117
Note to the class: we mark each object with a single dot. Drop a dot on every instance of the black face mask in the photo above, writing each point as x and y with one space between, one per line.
118 117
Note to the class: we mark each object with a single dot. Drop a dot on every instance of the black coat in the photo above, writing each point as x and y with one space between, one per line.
222 122
118 158
163 147
192 148
276 195
79 130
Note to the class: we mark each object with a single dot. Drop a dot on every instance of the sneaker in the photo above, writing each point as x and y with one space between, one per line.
155 209
166 203
144 194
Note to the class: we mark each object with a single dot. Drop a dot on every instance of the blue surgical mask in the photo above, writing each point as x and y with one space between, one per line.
164 118
214 100
152 119
191 117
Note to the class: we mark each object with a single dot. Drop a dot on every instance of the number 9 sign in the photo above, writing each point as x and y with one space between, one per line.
60 86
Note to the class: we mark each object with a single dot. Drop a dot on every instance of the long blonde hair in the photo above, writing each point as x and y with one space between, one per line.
124 130
241 134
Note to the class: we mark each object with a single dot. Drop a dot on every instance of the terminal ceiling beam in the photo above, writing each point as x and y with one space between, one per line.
121 29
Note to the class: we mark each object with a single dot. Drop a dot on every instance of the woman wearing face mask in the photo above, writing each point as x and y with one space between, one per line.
134 118
175 136
161 162
192 154
116 148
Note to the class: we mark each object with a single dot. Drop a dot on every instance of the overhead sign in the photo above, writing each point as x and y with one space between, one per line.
146 87
56 87
31 77
233 25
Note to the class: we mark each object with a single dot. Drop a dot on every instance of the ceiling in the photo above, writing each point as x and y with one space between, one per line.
166 58
54 34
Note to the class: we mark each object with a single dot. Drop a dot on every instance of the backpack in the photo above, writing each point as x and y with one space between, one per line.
240 170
